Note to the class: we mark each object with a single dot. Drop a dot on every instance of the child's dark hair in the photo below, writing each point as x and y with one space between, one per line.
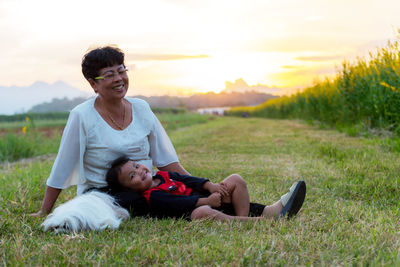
114 171
99 58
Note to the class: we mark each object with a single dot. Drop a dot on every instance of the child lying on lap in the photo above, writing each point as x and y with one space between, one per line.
170 194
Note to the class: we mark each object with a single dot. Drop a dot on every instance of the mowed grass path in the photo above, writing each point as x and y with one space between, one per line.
350 216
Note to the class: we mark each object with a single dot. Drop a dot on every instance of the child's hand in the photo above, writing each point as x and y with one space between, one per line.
214 200
220 188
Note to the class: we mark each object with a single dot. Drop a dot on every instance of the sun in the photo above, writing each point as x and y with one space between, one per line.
210 74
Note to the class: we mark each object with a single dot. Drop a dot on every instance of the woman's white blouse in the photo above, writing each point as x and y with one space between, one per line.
89 145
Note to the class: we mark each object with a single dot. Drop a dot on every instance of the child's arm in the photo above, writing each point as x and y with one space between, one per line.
201 184
189 181
213 188
214 200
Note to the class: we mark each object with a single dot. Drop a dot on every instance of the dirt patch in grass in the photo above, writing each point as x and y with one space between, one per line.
46 131
5 166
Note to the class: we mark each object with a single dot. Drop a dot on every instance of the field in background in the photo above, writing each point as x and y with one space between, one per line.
34 134
350 216
363 98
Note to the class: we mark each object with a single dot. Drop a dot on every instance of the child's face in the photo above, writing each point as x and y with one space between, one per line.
135 176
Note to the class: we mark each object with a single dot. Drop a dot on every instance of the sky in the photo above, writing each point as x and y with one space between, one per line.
180 47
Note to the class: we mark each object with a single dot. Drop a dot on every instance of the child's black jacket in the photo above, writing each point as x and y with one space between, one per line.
164 204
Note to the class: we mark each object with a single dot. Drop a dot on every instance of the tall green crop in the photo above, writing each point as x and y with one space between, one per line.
364 92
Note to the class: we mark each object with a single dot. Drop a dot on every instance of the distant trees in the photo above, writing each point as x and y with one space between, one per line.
208 100
58 105
223 99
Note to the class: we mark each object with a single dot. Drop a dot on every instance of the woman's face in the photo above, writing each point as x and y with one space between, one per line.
112 82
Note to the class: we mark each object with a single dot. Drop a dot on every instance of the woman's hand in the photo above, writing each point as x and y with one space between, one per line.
38 214
174 167
49 199
220 188
214 200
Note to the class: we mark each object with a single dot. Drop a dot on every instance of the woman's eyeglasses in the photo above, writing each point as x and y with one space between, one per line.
111 75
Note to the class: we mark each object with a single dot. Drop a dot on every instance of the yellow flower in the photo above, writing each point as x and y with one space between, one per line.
394 89
24 130
27 119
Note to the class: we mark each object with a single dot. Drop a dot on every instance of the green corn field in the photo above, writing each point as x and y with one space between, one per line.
364 93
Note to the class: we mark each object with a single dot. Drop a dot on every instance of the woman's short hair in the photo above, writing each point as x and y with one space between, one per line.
114 171
99 58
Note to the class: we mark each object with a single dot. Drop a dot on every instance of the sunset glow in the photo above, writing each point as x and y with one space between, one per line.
182 47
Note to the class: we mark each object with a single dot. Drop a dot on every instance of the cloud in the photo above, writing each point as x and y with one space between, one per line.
241 85
304 76
314 71
304 43
320 58
314 18
163 57
373 45
289 67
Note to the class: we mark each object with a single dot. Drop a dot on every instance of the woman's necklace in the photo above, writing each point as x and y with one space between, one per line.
123 118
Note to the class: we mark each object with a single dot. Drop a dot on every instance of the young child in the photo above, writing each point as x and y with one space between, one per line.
170 194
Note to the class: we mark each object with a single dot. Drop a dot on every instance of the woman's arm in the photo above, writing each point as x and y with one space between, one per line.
65 167
162 151
49 199
174 167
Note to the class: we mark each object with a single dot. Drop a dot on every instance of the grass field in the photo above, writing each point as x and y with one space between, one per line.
350 216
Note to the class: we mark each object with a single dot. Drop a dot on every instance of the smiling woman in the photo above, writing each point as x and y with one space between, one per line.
104 128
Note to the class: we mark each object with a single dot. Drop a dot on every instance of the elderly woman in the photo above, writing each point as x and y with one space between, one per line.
106 127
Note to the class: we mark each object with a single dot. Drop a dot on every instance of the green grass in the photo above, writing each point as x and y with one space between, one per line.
172 121
14 146
350 216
